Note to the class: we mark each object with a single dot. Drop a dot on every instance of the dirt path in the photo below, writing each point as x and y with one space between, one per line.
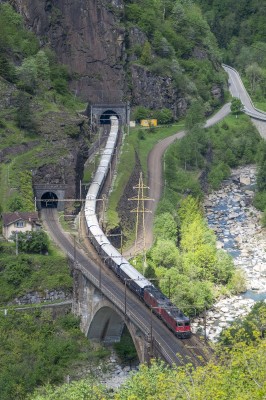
155 181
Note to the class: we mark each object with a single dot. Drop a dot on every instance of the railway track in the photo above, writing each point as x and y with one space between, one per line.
172 349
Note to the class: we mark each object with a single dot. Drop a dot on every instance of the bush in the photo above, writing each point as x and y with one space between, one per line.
32 242
259 201
164 116
217 174
141 113
237 283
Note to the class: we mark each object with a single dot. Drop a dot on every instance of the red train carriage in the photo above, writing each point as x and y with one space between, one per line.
168 312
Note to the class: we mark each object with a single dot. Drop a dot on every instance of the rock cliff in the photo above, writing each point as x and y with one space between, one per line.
86 36
91 37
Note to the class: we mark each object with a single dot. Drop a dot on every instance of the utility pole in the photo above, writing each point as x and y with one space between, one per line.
140 209
16 243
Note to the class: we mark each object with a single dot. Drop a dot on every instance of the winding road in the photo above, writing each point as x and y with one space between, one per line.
155 179
155 159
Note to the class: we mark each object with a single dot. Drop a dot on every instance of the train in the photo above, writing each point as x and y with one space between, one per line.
160 305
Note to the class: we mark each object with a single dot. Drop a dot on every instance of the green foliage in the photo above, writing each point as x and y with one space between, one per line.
263 219
16 203
259 200
195 115
251 329
165 254
261 173
238 375
237 283
164 116
241 34
141 113
165 227
146 55
24 117
35 349
84 389
32 242
125 349
25 273
217 174
13 37
236 106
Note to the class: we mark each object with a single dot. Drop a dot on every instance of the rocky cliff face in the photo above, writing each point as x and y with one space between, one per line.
89 37
86 36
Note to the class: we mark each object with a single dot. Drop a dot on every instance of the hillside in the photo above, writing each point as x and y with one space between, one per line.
240 30
150 53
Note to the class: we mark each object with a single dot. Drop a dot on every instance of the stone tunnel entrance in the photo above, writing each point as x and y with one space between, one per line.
49 200
100 113
105 117
50 196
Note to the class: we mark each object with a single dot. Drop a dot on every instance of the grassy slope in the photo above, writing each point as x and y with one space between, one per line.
126 165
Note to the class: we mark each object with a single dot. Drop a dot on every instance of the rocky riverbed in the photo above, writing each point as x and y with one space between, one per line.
230 214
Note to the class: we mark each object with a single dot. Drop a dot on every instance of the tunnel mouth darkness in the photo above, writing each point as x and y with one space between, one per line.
49 200
105 117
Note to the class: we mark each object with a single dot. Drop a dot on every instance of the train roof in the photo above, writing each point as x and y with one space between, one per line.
91 220
111 252
136 276
161 299
176 313
98 234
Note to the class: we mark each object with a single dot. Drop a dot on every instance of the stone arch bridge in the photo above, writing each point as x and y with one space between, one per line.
103 321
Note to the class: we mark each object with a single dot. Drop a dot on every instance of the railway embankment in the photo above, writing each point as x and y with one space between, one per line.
230 213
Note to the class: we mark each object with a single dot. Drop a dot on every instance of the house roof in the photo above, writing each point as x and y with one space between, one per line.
10 218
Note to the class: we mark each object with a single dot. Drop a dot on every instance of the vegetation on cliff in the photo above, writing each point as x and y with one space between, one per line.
176 43
37 348
240 29
38 121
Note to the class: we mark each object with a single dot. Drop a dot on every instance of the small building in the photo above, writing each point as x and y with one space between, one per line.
19 222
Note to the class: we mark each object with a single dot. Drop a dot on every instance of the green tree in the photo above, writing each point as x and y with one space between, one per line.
165 227
195 115
146 55
42 69
32 242
15 203
27 75
164 116
24 117
255 75
165 254
236 106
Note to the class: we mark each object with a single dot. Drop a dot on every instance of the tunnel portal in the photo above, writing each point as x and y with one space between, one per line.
49 200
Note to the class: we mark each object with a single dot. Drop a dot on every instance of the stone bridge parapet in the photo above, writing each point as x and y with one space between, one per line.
101 319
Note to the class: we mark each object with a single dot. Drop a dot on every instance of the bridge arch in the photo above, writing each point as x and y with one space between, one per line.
107 325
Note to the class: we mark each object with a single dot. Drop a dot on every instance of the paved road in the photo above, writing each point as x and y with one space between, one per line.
155 179
172 348
237 89
155 159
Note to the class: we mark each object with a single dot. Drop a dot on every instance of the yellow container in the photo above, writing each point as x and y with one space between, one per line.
148 122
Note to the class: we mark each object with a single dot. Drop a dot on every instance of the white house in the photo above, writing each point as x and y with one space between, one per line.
19 222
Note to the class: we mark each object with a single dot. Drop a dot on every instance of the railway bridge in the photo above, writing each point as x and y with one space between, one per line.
103 318
105 305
